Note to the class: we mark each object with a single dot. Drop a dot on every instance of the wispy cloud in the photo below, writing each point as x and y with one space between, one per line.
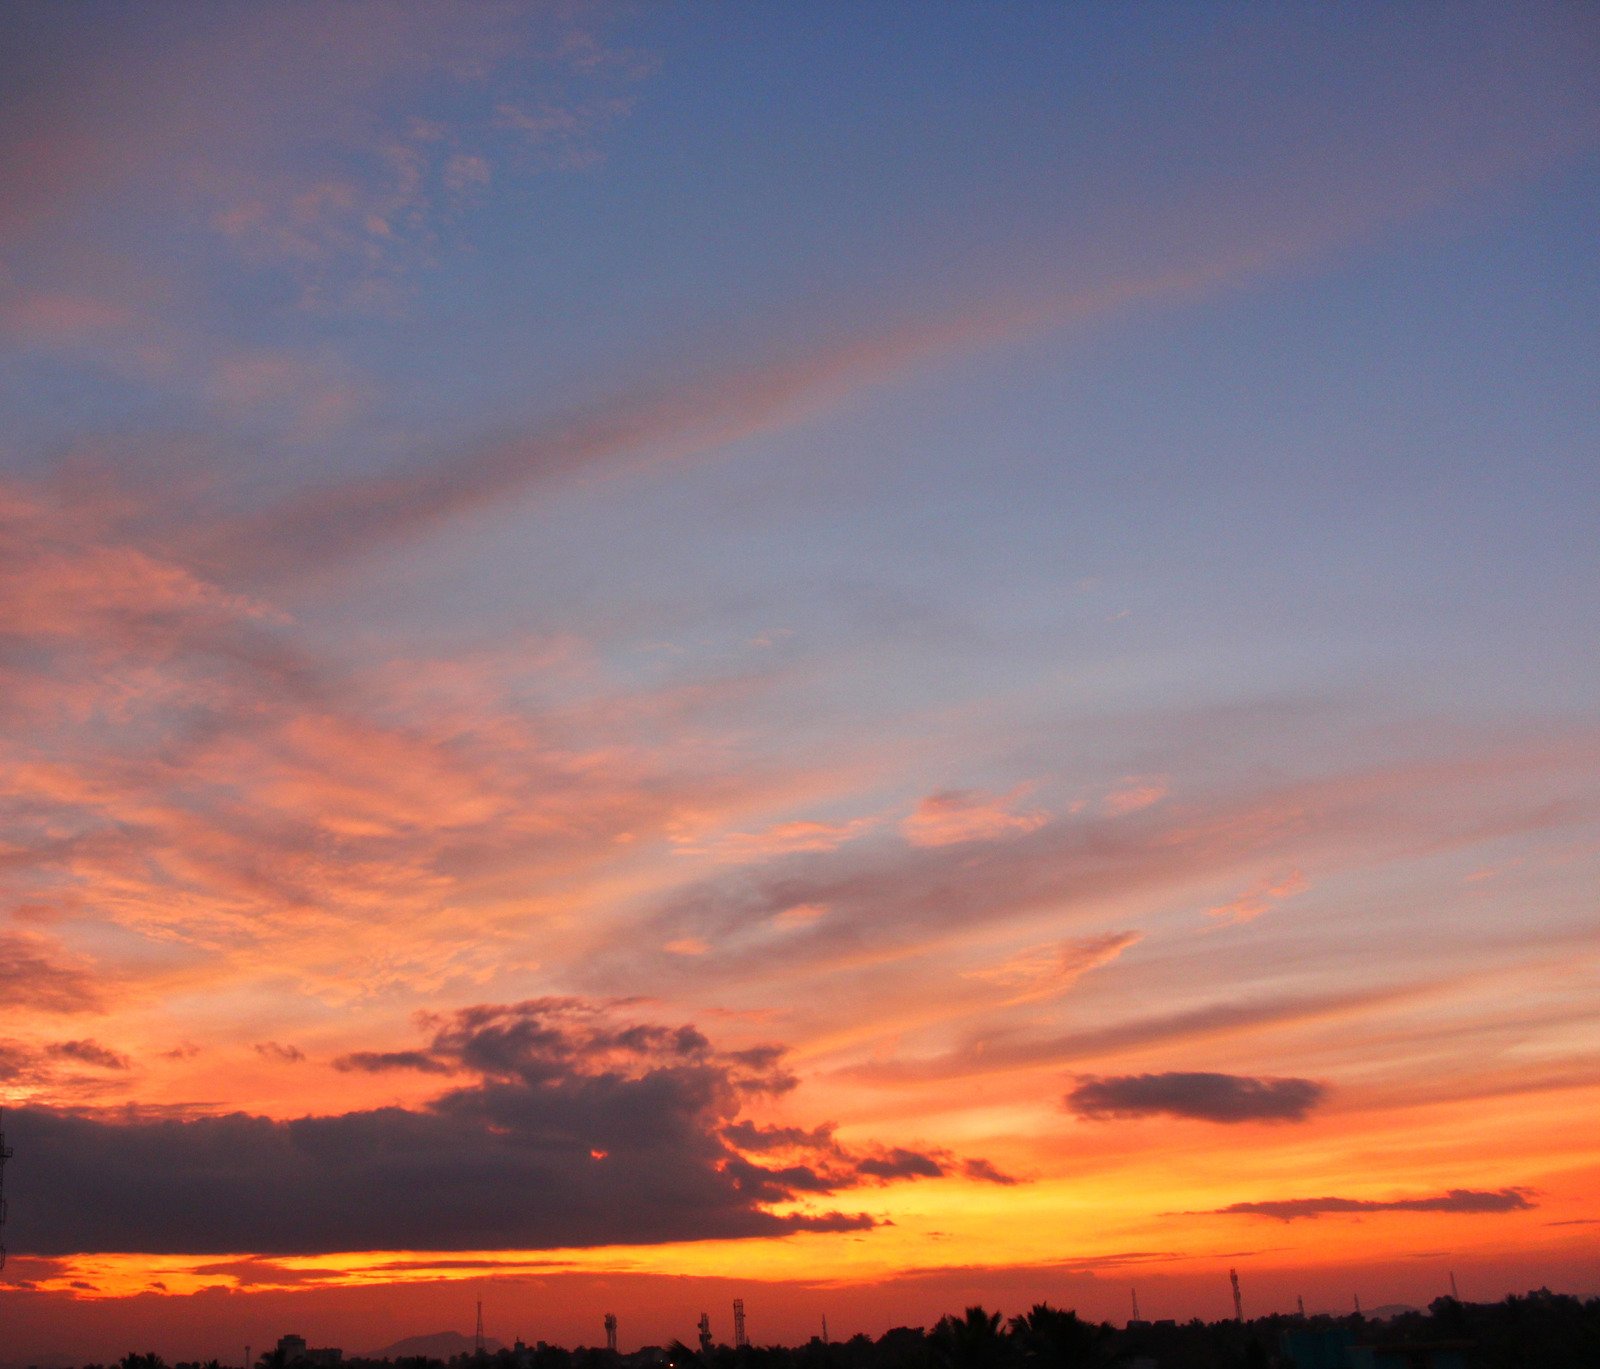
1044 970
205 781
1261 896
782 838
33 975
876 898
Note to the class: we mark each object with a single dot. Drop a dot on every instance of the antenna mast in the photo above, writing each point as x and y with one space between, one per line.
1238 1302
611 1332
477 1338
740 1340
5 1154
705 1333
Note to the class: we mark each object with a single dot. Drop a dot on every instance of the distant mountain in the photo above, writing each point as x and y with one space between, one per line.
440 1345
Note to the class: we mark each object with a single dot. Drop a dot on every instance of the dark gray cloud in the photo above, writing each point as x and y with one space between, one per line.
986 1172
830 1165
1209 1097
89 1053
276 1050
899 1163
81 1071
376 1062
574 1130
15 1060
1455 1200
750 1137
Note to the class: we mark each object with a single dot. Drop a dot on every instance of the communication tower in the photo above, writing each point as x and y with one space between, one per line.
5 1154
477 1336
611 1332
740 1340
1453 1292
1134 1292
705 1333
825 1340
1358 1304
1300 1303
1238 1302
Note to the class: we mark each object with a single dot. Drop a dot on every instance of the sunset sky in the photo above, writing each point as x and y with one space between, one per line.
866 656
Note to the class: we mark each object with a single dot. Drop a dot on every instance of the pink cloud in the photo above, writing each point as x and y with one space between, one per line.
1041 971
781 838
193 777
951 816
1138 792
1261 896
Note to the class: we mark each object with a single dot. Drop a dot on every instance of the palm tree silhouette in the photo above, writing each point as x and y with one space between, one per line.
973 1341
1050 1338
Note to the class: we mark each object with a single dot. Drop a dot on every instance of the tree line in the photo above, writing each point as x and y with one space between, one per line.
1536 1330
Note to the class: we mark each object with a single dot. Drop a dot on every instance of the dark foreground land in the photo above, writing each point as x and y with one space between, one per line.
1539 1330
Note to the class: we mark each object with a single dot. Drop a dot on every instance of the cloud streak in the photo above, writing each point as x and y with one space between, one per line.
1203 1096
1463 1200
700 412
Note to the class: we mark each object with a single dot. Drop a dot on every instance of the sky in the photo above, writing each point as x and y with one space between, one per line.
869 657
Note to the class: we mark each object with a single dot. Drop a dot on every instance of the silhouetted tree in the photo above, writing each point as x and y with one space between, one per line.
972 1341
903 1347
1050 1338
